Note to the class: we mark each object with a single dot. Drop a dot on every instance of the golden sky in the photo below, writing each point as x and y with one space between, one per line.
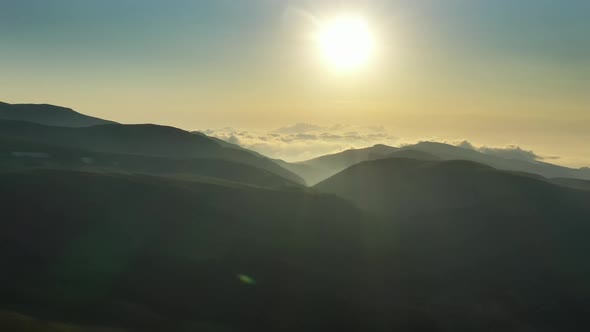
494 72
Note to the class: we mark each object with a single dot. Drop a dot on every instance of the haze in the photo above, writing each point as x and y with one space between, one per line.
495 73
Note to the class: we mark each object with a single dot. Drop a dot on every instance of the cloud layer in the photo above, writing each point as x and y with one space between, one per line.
510 151
303 141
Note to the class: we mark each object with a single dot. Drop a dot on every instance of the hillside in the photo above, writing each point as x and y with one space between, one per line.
318 169
326 166
48 115
15 322
572 183
450 152
407 154
408 186
158 254
155 254
21 155
470 236
141 140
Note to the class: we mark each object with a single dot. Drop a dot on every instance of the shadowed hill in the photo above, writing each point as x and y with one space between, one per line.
318 169
21 155
48 115
572 183
14 322
348 158
157 254
407 186
154 254
146 140
473 236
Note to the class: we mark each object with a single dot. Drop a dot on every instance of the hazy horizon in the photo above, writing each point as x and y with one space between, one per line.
498 73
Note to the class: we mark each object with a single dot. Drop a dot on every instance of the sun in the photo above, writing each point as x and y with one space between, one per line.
346 43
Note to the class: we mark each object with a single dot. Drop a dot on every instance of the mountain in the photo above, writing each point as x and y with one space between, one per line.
150 228
144 140
310 174
450 152
227 144
326 166
21 155
157 254
471 236
348 158
407 154
411 187
48 115
318 169
572 183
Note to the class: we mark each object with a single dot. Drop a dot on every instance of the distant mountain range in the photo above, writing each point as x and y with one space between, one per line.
152 228
318 169
20 155
400 186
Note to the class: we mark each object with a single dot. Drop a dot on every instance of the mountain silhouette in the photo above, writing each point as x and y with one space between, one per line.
21 155
407 154
323 167
144 140
318 169
153 253
476 237
160 254
48 115
412 187
151 228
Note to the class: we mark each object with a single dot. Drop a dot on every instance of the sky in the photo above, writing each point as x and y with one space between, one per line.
496 73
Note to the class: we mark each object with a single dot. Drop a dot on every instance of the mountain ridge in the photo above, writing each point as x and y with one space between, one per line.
323 167
143 139
47 114
411 186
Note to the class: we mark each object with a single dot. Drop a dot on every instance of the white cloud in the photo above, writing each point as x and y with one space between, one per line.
303 141
509 151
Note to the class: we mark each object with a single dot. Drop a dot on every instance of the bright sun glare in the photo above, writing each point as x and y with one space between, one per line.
346 42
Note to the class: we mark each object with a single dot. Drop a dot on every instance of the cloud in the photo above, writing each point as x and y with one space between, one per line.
512 152
298 128
509 151
303 141
233 139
